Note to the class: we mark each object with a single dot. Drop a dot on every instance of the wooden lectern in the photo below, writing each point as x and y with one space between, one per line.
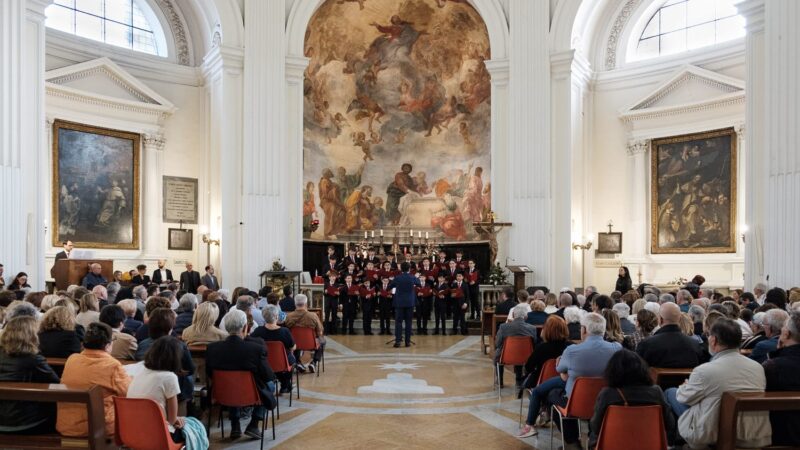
72 271
519 276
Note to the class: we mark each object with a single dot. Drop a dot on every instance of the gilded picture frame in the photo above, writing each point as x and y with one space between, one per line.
693 193
95 186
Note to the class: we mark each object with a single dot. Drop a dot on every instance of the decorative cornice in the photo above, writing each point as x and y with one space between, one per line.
688 76
159 112
561 64
178 27
499 71
753 13
296 68
616 31
735 98
102 70
638 147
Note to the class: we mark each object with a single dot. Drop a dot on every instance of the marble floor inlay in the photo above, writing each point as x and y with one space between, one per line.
439 392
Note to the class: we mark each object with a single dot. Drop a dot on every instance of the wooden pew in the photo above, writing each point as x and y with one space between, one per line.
734 403
43 392
667 377
487 320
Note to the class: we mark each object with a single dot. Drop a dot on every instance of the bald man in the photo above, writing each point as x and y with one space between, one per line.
669 347
94 277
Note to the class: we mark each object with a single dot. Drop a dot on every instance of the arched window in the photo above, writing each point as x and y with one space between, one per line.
682 25
124 23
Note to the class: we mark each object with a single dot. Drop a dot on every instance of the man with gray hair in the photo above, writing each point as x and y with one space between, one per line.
242 352
623 311
516 327
302 317
666 298
684 299
94 277
760 293
587 359
111 291
774 320
564 300
185 312
650 297
248 303
781 370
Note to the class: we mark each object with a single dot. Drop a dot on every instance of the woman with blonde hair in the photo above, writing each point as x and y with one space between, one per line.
637 306
614 329
49 301
202 329
551 302
58 337
89 311
20 361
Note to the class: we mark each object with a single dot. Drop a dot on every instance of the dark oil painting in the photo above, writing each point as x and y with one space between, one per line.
95 186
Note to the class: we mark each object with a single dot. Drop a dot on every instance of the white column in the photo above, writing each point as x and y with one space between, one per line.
499 72
152 239
781 136
637 190
222 68
267 185
527 171
22 125
755 158
295 74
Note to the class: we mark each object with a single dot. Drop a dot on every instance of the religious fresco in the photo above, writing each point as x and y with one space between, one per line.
396 118
95 186
694 193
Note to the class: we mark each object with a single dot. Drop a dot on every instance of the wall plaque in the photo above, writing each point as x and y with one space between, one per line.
180 200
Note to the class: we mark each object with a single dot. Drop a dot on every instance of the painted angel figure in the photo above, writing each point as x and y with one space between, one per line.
113 203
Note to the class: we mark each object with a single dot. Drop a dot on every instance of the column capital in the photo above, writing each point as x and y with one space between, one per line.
740 129
154 141
561 64
638 147
296 68
223 58
753 13
499 70
37 7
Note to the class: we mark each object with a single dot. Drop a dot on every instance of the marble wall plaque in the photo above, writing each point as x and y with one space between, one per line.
180 200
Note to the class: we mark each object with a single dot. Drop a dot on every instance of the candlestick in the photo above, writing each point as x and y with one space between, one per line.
381 232
419 234
426 235
365 235
411 233
373 233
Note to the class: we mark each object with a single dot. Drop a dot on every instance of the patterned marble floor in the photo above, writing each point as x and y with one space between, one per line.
435 394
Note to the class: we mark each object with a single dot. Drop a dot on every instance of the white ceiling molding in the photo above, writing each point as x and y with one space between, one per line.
679 95
123 92
177 25
620 22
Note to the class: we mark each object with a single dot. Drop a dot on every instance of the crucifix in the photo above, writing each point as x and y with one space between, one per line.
488 229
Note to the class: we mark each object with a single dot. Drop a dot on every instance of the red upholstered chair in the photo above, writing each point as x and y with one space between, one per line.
305 339
548 371
580 404
516 351
141 425
278 361
237 389
620 420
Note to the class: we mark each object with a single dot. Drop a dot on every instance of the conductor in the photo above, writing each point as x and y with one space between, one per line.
405 298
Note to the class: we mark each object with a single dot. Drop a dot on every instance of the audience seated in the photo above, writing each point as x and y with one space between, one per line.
242 352
613 329
123 345
202 329
781 370
58 336
94 277
162 322
537 316
129 308
158 381
696 402
89 310
624 311
272 299
287 302
185 312
646 322
587 359
20 361
508 301
774 320
153 303
101 293
515 327
564 301
573 315
629 384
302 317
94 366
757 325
222 305
669 347
554 339
272 332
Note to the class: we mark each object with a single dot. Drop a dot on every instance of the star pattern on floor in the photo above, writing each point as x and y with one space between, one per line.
398 366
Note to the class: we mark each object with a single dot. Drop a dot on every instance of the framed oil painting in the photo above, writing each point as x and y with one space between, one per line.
609 242
180 239
95 193
693 193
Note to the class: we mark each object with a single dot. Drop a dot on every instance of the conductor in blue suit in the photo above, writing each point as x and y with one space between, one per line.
405 297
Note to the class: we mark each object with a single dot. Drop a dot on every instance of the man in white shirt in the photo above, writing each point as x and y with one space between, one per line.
162 275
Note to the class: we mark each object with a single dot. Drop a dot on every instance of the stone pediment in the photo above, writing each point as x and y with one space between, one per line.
105 82
688 89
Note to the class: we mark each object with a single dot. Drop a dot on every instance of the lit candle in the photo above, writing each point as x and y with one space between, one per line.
426 235
411 233
373 233
419 234
365 235
381 232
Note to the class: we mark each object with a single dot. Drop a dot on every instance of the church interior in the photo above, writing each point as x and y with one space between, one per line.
514 163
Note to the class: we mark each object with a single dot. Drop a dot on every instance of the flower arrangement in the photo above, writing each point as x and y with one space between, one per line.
277 266
679 281
497 275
